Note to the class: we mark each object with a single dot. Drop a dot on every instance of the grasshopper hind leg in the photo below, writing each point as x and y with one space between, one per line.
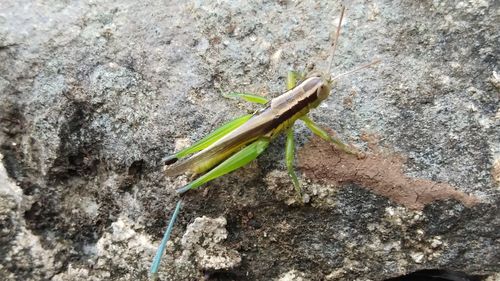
238 160
207 140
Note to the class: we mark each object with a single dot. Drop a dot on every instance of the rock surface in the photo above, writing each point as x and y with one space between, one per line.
94 94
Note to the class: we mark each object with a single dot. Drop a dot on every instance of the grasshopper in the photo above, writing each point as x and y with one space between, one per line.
238 142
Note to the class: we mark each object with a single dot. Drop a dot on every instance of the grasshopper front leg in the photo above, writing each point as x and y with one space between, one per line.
292 78
316 129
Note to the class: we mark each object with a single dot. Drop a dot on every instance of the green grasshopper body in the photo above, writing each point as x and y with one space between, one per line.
243 139
246 141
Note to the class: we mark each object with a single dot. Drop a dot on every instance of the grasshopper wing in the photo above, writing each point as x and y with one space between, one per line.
202 161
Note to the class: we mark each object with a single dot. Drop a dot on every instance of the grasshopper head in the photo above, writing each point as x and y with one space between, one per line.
325 85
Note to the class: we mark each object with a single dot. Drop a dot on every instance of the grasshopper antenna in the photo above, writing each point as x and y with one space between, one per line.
357 69
337 35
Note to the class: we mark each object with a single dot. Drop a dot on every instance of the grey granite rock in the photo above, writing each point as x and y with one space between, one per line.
94 93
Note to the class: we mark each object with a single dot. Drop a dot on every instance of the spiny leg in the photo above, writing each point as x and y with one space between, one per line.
324 135
289 156
238 160
208 140
159 252
247 97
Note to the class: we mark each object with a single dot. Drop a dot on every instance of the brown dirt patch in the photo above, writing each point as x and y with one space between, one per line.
383 174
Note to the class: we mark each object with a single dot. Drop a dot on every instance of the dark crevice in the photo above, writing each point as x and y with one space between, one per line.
222 275
13 127
79 145
437 275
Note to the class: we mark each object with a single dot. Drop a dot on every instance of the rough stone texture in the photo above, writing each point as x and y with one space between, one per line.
95 93
201 243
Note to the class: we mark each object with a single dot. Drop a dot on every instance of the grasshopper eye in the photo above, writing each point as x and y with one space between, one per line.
323 91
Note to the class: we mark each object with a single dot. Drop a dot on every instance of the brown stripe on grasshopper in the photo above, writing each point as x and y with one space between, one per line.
280 114
298 102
